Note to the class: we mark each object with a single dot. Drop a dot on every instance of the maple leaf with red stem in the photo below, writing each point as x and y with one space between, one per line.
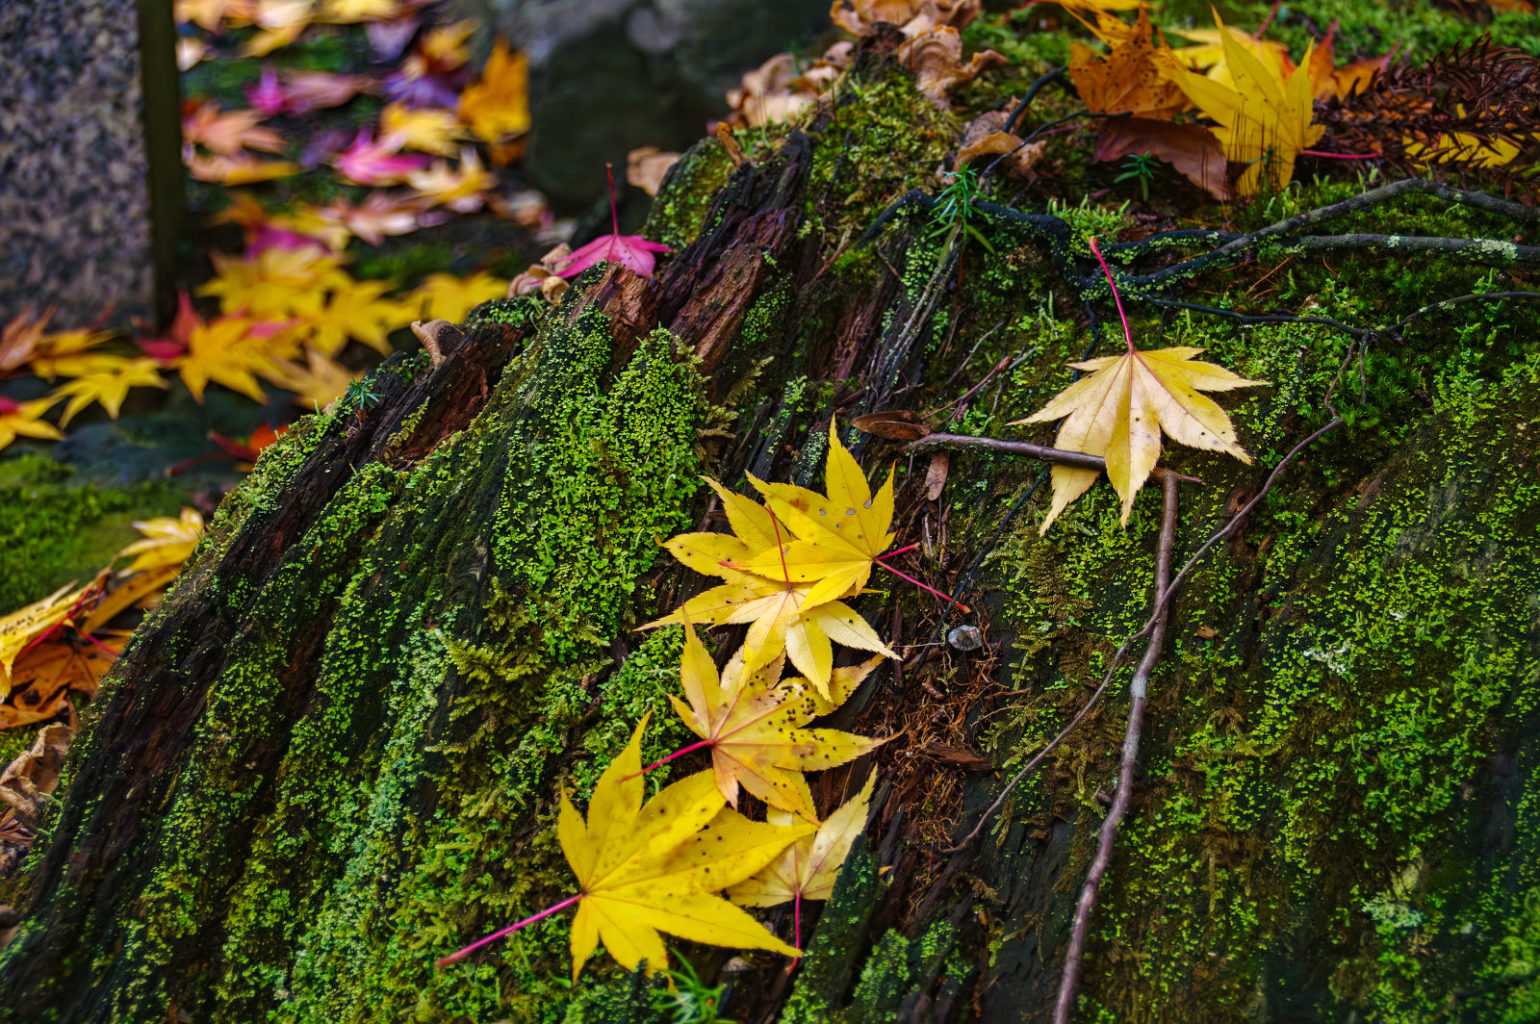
632 251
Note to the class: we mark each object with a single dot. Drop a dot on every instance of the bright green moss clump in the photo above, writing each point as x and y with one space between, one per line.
54 528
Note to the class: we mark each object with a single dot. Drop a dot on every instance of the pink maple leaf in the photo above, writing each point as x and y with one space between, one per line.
267 96
175 342
631 251
367 162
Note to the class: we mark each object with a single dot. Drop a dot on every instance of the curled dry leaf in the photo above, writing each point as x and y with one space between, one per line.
20 337
985 136
646 166
935 59
781 88
543 276
861 17
28 781
935 475
893 425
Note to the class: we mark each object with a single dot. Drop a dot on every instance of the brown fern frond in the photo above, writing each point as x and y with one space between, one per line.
1471 108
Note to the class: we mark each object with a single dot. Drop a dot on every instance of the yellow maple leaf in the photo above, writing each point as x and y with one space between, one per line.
68 353
1207 53
210 15
780 620
25 419
168 541
462 188
1120 409
107 381
443 46
497 105
447 297
836 538
645 869
224 351
357 310
780 615
347 12
316 383
808 868
22 628
276 284
1264 118
755 727
427 129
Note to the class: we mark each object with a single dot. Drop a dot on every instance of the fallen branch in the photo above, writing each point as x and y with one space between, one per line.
1069 981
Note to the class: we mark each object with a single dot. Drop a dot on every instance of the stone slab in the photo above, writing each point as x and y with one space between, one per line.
75 218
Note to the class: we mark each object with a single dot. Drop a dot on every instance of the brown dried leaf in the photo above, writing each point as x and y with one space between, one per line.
935 475
861 17
1127 80
28 781
935 58
893 425
1190 148
985 136
646 166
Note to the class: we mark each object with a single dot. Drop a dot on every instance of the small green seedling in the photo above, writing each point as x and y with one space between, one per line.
954 206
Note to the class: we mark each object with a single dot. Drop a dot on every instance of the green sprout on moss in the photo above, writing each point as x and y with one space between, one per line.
360 395
955 205
689 1000
1143 168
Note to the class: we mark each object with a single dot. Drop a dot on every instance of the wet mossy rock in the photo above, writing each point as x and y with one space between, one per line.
334 753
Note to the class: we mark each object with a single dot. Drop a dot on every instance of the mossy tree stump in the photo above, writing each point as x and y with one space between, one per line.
334 752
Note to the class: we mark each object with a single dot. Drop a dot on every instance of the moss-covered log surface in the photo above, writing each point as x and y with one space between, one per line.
334 753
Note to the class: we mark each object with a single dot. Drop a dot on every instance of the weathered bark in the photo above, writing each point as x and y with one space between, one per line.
333 753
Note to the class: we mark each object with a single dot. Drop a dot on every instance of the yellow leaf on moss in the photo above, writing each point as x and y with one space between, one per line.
755 729
645 869
1120 409
835 539
107 382
1263 118
809 867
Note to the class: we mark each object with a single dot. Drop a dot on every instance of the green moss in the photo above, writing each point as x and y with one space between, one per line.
678 214
55 528
573 524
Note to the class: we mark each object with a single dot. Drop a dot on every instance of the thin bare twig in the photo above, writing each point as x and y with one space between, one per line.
1034 451
1069 981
